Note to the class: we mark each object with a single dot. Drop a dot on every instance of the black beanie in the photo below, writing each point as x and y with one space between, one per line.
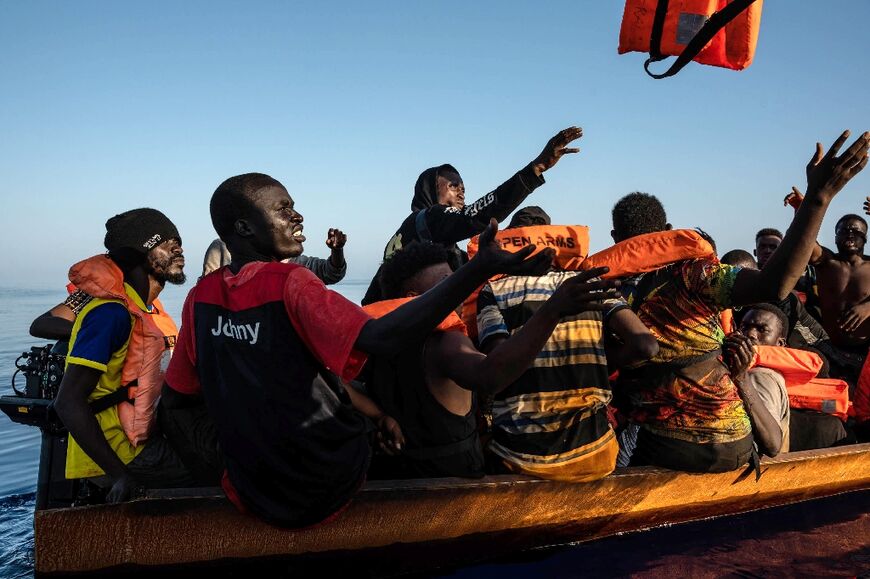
139 230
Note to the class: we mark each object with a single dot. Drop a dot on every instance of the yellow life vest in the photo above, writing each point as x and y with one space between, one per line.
150 347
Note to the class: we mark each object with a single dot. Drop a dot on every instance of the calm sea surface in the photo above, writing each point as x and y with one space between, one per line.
828 539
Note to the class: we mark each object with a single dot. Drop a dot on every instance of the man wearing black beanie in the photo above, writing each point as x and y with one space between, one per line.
120 347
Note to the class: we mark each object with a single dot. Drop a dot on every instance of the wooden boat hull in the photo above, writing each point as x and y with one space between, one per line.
393 524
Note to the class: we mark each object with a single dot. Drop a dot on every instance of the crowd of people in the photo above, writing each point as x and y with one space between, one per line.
523 355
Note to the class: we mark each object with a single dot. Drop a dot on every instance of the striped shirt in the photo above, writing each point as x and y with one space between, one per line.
551 422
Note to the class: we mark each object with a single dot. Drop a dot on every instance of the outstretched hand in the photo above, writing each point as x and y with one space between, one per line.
555 148
579 294
496 260
795 198
828 173
335 238
739 353
867 205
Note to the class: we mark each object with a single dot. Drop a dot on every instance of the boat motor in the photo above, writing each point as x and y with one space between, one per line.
42 368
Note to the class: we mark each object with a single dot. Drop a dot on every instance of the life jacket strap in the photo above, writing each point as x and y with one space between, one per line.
718 21
122 394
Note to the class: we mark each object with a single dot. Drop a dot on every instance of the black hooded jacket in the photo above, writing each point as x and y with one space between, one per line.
436 223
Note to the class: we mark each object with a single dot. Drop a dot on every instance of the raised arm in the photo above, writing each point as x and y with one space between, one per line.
451 354
794 199
450 226
827 174
416 319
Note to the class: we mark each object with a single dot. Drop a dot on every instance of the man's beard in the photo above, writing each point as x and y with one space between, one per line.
159 270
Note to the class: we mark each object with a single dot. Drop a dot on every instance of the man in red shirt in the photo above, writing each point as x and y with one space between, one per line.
263 342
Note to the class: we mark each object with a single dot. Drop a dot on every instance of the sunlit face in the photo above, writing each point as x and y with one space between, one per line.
450 189
277 226
764 248
850 237
165 262
426 279
762 327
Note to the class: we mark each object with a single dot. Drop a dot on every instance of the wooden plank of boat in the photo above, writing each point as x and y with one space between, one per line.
498 514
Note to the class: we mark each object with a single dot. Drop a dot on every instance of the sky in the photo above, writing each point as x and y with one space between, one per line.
108 106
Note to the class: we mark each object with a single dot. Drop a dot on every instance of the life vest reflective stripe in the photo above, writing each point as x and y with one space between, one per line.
799 369
571 243
649 252
148 352
452 323
720 33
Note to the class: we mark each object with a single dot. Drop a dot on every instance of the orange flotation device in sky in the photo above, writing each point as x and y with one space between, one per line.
570 242
649 252
799 369
716 32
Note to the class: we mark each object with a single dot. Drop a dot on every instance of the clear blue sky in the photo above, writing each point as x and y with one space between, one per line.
114 105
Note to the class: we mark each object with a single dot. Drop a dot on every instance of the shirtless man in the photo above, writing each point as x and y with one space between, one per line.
843 280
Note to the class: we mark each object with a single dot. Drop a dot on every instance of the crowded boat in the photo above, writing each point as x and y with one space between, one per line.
491 345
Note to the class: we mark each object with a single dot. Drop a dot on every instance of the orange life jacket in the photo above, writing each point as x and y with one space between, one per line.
861 397
705 31
649 252
799 369
452 323
726 319
571 243
148 352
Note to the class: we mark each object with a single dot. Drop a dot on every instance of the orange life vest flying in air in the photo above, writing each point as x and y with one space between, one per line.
716 32
570 242
799 369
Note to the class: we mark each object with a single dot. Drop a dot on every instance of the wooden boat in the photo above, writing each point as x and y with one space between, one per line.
401 526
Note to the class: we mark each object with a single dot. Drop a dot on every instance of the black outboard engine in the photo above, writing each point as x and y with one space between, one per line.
31 404
42 369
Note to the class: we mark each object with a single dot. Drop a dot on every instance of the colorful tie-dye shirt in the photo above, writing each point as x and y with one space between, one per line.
680 304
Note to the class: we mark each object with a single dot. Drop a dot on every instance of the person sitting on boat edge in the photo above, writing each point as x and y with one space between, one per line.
552 421
329 270
431 386
761 389
122 338
439 213
257 336
805 429
705 428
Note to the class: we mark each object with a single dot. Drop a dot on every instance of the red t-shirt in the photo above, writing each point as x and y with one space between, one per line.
261 346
